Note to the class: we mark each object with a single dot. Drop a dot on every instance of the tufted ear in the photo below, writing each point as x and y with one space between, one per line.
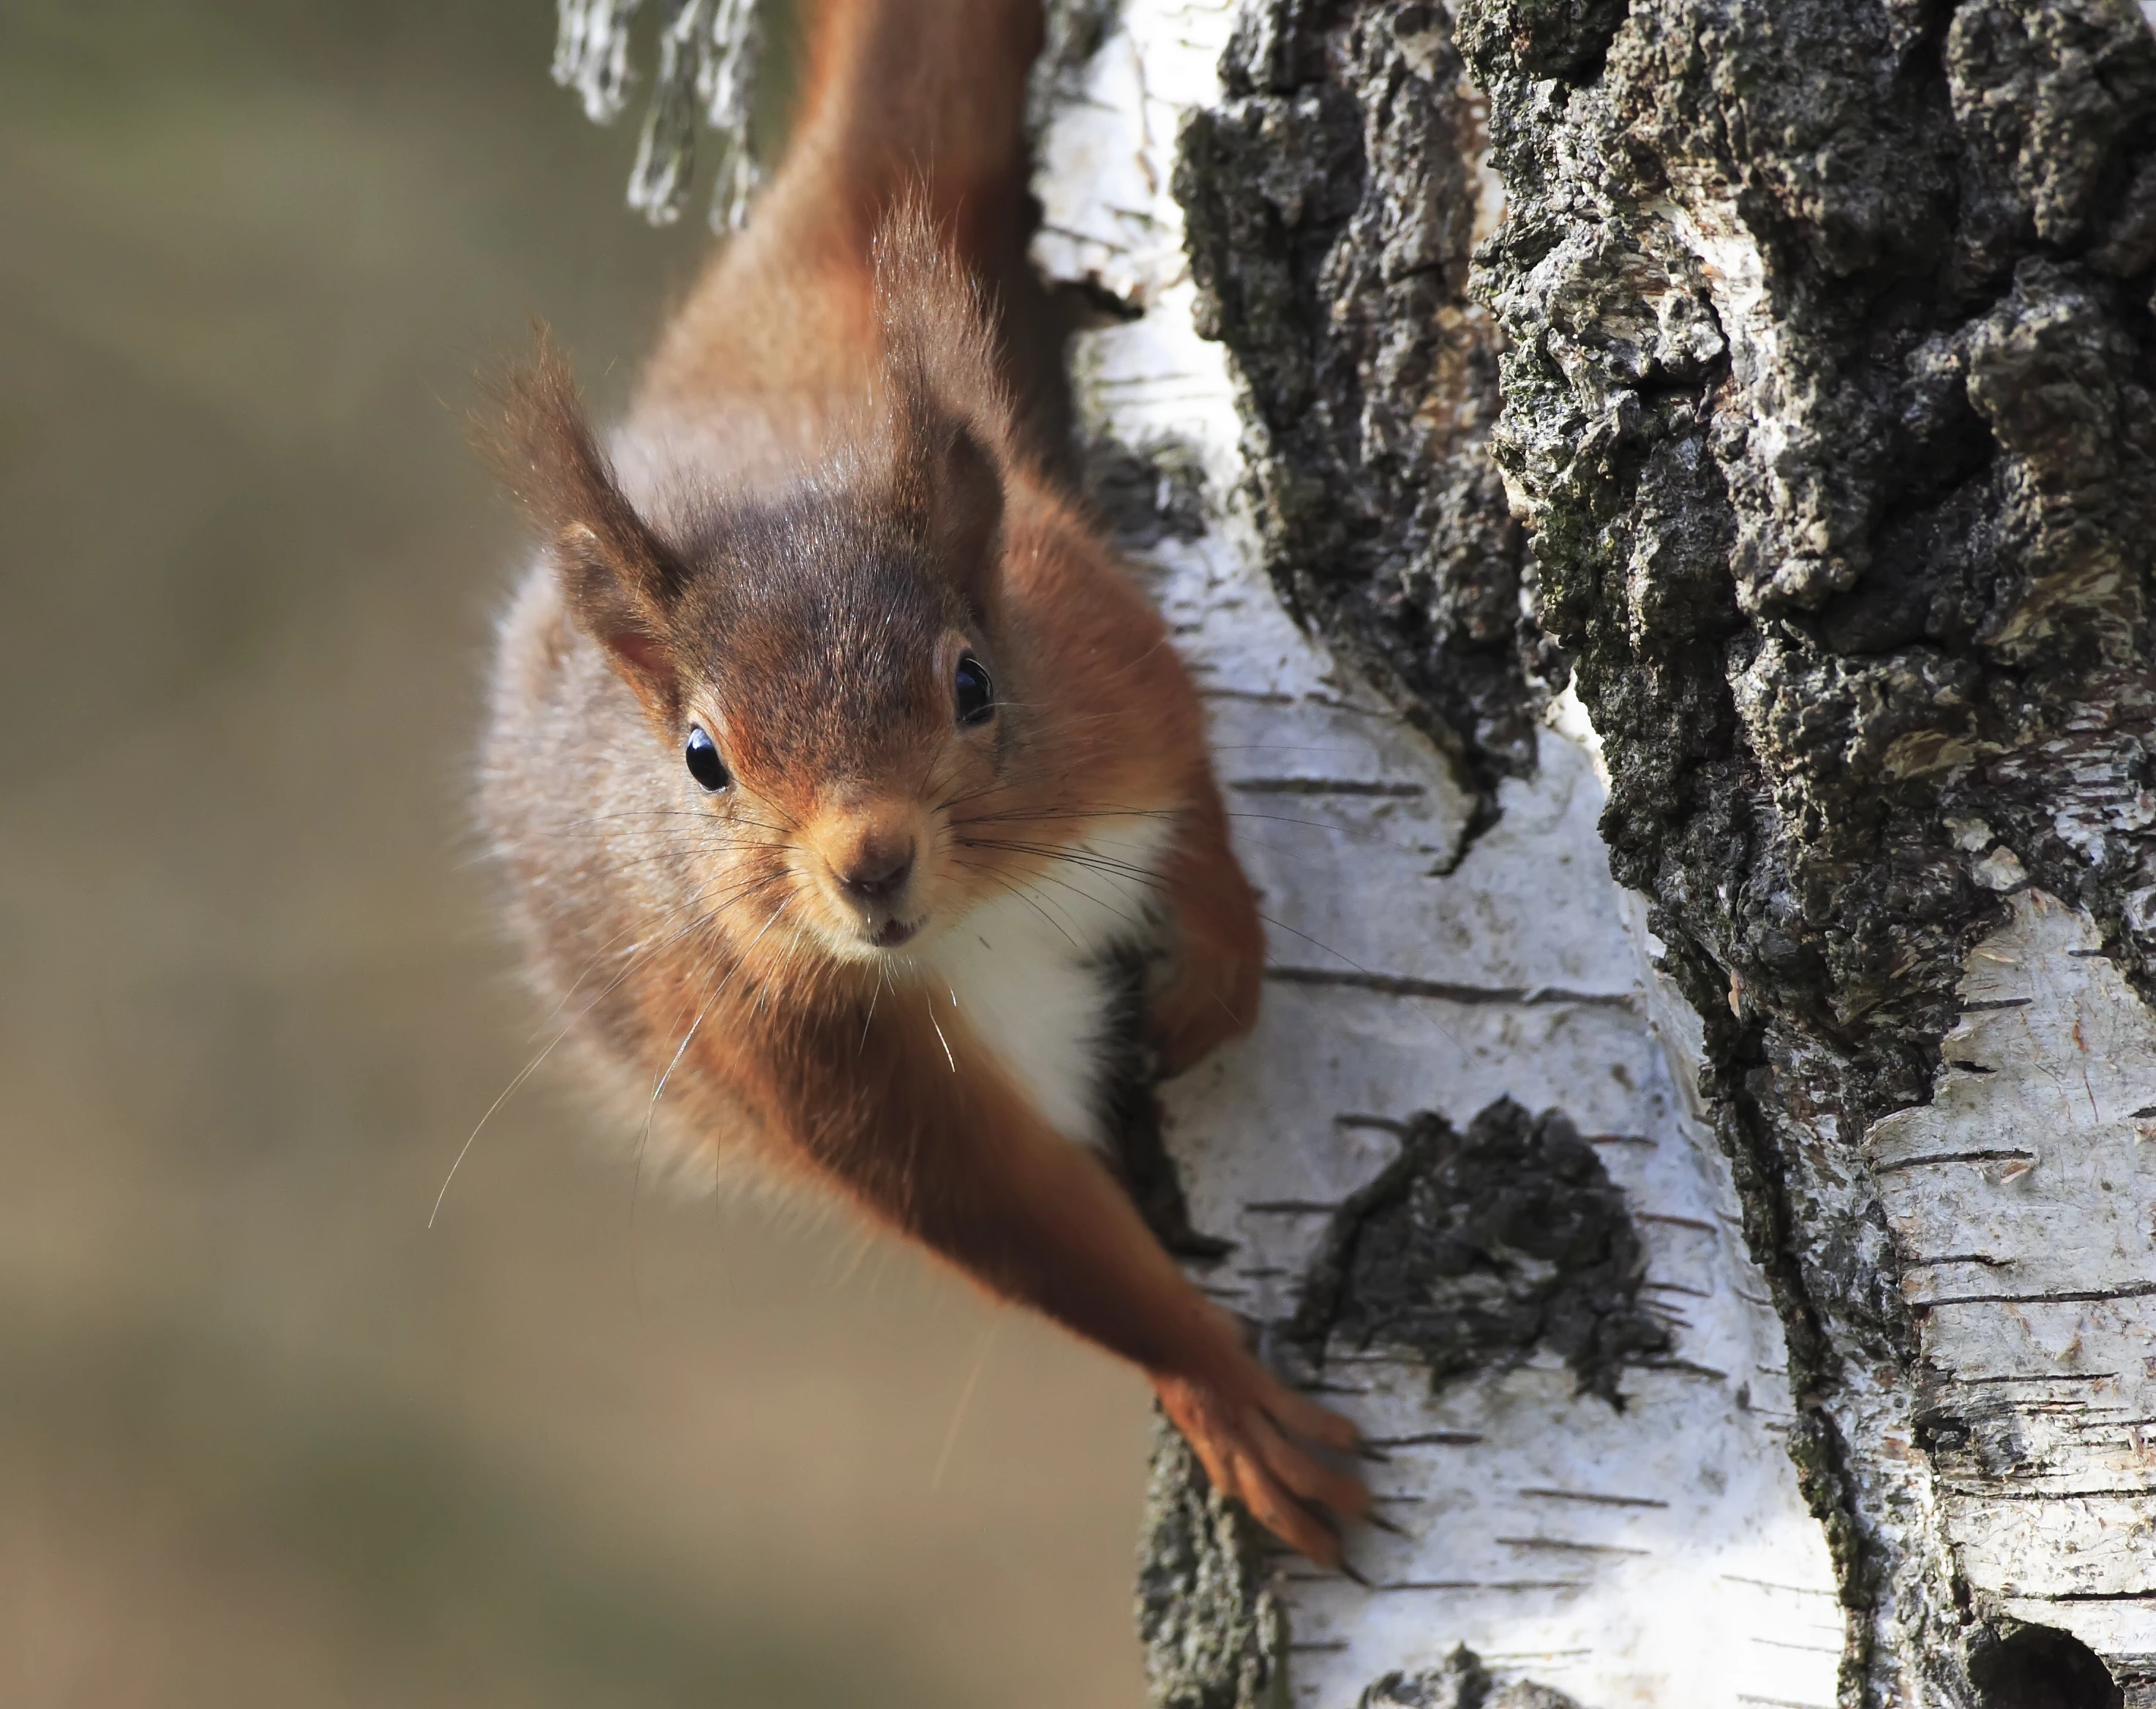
950 417
622 582
949 493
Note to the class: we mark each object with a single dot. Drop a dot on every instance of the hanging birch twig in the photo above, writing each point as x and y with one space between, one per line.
709 52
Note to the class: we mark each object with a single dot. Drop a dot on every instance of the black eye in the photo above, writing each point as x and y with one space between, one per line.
705 765
975 693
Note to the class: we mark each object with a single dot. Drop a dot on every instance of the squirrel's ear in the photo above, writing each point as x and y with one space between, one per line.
621 581
951 492
951 413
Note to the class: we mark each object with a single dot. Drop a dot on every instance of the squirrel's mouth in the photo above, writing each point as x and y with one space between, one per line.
893 932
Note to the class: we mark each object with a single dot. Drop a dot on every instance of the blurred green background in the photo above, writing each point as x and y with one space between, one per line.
265 1439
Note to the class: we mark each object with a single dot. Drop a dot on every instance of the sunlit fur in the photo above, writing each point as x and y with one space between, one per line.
877 964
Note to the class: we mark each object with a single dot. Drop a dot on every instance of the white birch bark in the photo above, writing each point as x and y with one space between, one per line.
2023 1199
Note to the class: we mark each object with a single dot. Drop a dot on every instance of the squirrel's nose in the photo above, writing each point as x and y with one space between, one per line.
877 873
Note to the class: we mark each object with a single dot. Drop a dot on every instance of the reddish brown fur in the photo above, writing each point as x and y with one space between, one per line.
819 504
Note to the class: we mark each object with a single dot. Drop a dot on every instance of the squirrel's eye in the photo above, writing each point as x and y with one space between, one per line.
975 694
705 765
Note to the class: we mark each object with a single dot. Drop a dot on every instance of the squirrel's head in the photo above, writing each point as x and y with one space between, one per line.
822 668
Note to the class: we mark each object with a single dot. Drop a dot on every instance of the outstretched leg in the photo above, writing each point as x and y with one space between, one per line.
953 1156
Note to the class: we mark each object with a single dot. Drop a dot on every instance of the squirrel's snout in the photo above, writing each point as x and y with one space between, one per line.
876 872
871 860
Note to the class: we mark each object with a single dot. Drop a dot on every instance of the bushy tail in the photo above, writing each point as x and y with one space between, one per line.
911 135
923 102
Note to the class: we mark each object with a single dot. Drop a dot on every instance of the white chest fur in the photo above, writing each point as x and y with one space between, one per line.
1028 968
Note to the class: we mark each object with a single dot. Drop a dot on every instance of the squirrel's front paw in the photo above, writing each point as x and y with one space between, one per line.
1246 1441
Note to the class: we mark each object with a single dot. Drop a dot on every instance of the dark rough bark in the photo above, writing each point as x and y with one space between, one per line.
1461 1683
1331 201
1473 1249
1869 565
1213 1633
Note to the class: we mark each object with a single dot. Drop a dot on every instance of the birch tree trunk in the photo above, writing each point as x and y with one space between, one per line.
1701 1118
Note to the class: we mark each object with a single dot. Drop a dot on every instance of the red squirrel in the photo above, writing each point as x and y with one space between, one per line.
834 761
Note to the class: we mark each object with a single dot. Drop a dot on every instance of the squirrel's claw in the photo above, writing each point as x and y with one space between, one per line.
1247 1454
